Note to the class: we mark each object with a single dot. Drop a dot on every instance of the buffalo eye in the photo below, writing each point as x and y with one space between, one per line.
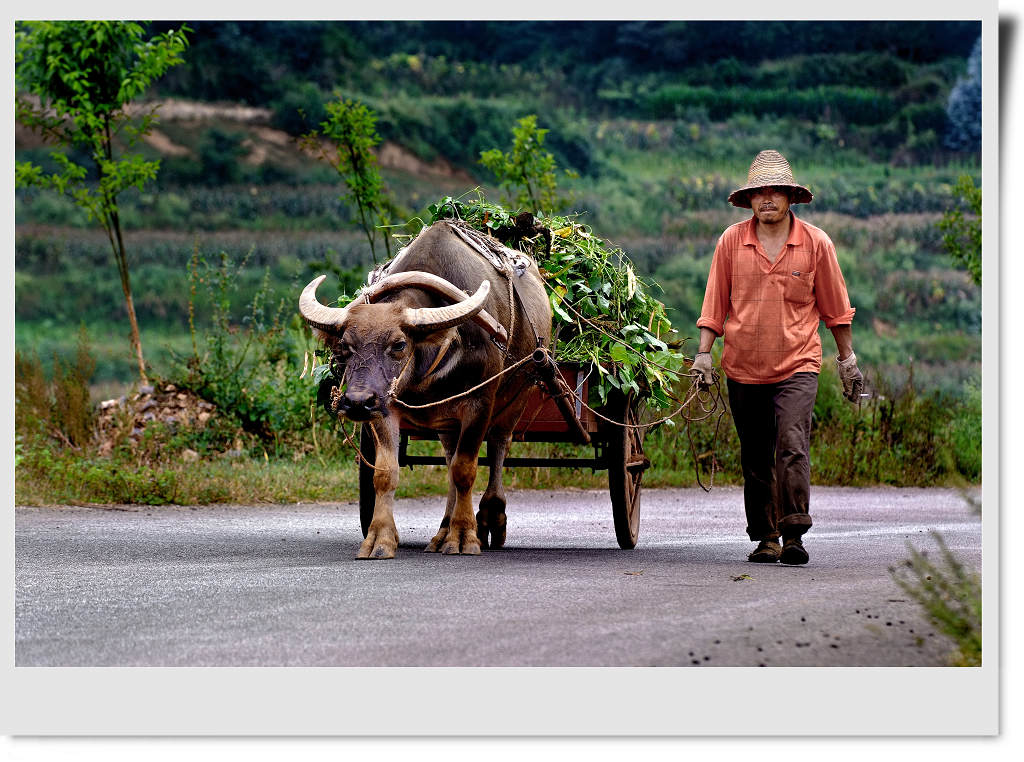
344 349
399 346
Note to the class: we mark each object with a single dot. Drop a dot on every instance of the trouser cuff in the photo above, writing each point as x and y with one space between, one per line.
795 525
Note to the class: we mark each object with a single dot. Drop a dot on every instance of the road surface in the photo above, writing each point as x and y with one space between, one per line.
279 585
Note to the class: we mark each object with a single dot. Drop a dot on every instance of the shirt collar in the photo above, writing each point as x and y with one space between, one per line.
796 231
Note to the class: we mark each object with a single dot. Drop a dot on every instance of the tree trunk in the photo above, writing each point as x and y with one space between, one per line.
126 286
135 338
113 226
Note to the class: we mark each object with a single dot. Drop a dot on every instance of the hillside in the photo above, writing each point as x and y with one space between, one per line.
659 132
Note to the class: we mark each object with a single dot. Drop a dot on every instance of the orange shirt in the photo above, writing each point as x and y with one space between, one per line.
773 309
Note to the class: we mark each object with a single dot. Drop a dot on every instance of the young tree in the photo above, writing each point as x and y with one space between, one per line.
527 173
352 127
962 234
75 81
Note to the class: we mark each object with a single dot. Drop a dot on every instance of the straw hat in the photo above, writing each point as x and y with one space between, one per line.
769 168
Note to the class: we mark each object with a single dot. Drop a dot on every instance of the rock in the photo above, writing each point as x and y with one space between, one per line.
147 389
189 456
124 421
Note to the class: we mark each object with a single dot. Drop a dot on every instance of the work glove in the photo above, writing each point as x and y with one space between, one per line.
702 364
852 378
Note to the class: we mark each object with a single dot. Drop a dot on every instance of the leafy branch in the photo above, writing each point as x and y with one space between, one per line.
527 172
351 127
962 233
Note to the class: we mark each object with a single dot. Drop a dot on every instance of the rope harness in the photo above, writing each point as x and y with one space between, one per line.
511 265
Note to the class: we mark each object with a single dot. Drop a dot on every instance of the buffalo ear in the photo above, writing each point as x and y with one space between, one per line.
433 353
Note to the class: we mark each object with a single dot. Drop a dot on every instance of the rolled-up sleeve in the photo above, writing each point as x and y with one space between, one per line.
715 309
830 292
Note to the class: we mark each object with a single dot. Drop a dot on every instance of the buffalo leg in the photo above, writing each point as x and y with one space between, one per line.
382 536
490 519
461 537
448 442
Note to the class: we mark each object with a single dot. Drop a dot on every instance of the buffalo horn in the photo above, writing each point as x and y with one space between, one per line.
439 318
318 315
415 279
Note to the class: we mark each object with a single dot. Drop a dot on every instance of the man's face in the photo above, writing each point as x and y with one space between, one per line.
770 204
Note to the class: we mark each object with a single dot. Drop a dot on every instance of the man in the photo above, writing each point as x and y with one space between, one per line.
774 277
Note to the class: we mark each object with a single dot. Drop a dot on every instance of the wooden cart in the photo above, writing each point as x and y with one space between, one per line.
552 416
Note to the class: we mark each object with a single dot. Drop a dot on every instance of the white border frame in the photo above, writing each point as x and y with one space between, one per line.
544 702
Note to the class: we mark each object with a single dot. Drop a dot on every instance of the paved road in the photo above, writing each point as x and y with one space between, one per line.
278 585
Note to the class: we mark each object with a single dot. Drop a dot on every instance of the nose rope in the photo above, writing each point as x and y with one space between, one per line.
460 395
394 381
336 392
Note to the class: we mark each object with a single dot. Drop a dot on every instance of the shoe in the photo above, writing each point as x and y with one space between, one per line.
793 552
766 552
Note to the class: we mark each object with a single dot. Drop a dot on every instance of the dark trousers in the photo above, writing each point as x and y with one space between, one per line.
773 422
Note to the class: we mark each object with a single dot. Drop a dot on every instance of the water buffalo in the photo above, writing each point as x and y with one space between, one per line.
437 324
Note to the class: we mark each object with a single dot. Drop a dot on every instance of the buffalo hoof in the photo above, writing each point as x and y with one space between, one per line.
496 530
454 549
463 543
378 545
490 523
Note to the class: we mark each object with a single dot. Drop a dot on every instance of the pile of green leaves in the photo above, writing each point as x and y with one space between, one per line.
604 312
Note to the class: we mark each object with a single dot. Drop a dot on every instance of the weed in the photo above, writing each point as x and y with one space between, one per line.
60 408
245 361
950 596
896 437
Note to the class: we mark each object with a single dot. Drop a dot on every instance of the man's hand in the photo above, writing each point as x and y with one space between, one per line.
702 364
852 378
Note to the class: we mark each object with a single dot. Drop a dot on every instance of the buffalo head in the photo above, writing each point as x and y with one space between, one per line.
377 349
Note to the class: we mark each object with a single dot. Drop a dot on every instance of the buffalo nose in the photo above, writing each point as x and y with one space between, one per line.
360 400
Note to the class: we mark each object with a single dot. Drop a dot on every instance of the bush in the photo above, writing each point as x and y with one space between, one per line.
853 105
245 361
965 433
299 109
48 208
899 437
924 117
219 154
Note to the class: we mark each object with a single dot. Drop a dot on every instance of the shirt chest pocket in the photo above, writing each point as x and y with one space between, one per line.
798 286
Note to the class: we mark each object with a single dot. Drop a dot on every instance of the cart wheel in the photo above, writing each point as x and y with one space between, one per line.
626 466
367 493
